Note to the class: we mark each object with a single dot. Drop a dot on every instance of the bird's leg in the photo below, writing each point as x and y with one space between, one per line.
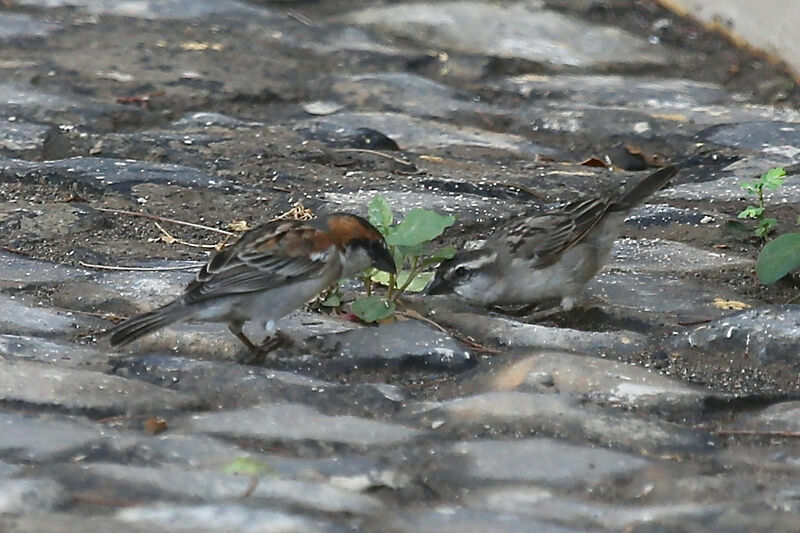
236 329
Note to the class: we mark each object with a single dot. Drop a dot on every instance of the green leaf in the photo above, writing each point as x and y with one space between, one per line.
778 257
419 226
372 308
765 226
333 300
751 211
379 213
420 282
752 188
413 251
248 467
773 178
448 252
381 278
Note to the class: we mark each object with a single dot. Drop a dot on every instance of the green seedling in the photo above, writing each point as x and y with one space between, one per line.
409 241
771 179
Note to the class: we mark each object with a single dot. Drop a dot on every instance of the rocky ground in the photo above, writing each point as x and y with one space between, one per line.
669 403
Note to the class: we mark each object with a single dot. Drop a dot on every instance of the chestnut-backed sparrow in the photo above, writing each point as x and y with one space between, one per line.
270 271
546 256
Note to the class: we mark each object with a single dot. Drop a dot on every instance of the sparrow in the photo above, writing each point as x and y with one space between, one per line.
546 256
268 272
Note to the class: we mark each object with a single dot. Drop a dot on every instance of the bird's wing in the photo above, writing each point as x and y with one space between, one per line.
543 238
265 257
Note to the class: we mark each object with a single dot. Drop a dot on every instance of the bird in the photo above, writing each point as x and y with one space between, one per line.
544 257
267 273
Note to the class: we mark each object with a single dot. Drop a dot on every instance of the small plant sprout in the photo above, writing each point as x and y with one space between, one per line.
409 241
771 179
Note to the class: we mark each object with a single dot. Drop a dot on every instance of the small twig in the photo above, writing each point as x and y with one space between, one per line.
299 17
298 212
96 500
793 300
163 219
251 487
169 239
15 251
373 152
138 269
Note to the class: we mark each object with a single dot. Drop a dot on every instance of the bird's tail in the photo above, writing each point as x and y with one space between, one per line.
643 189
141 325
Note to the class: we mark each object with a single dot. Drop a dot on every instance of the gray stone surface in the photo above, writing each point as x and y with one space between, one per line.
98 173
617 90
507 332
764 335
407 343
147 9
562 416
226 517
660 404
422 136
546 462
28 438
210 486
21 496
599 380
287 422
517 31
16 25
19 136
81 390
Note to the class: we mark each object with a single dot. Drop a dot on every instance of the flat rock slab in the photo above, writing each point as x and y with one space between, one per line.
546 505
15 25
99 174
516 31
779 417
420 135
513 334
22 137
664 256
146 9
291 422
80 390
563 416
46 437
407 343
761 336
20 270
616 90
775 137
20 496
453 519
229 385
729 188
545 462
220 517
209 486
661 298
19 318
33 348
599 380
413 94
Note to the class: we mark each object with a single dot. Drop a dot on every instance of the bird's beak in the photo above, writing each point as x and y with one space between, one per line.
382 260
438 285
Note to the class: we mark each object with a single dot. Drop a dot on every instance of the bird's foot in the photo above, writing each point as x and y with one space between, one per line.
257 355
